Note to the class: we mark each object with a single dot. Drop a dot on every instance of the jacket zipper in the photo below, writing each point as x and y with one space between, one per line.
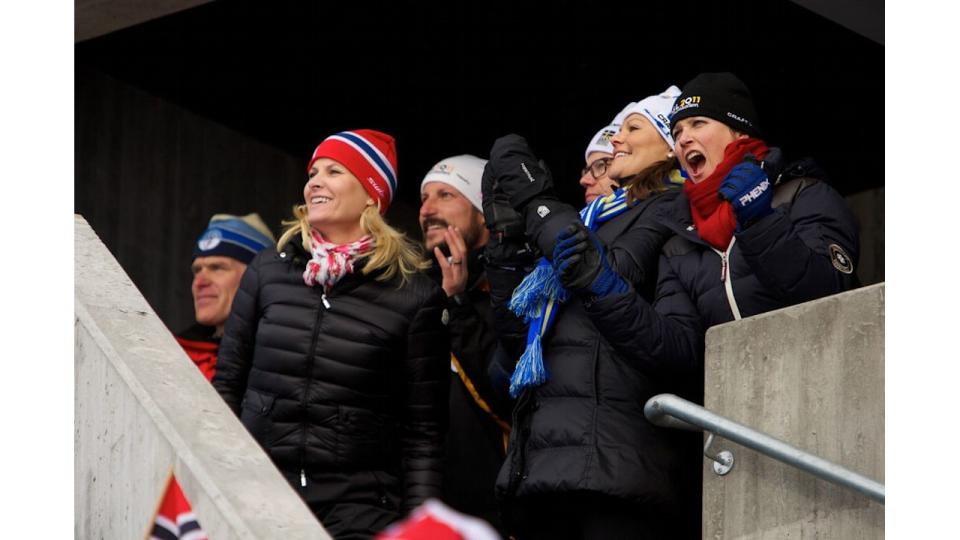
306 390
726 279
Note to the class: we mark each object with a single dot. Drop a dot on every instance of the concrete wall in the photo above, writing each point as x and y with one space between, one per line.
811 375
142 408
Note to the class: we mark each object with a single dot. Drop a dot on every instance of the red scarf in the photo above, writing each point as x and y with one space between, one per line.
713 215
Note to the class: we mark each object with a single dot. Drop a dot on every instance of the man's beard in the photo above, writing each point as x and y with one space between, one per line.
470 236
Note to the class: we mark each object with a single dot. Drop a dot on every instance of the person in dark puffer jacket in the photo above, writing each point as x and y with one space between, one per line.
335 356
751 236
582 461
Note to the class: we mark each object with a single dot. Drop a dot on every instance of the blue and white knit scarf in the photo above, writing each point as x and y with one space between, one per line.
538 297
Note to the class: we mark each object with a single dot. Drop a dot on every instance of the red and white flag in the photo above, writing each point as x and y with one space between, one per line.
434 520
175 519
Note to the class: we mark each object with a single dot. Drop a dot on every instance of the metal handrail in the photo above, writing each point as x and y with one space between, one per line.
668 410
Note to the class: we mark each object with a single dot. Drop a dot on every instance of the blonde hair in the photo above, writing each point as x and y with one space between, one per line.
392 252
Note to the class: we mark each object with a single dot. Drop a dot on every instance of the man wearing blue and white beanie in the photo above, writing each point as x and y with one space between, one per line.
220 257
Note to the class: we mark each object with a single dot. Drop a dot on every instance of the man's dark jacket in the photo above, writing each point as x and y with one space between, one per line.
476 437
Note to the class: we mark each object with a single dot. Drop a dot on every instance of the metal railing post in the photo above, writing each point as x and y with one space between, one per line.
668 410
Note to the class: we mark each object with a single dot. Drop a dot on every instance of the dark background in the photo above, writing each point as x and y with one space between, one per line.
217 108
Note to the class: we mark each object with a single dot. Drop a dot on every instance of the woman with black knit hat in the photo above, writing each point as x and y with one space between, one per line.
751 235
338 372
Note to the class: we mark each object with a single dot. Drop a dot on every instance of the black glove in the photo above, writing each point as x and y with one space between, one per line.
502 220
580 260
508 245
517 171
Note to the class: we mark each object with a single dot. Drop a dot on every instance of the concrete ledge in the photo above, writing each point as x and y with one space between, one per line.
142 409
811 375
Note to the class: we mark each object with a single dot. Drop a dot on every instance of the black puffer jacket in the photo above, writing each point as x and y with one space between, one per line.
346 392
806 249
584 429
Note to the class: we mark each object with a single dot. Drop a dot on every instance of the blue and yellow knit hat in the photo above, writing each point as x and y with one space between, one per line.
237 237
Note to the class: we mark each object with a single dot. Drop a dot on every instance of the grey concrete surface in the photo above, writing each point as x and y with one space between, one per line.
813 376
93 18
143 409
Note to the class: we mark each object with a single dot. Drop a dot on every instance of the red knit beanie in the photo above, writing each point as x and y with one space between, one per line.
370 155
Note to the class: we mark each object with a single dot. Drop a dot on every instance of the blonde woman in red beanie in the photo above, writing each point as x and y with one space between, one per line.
335 355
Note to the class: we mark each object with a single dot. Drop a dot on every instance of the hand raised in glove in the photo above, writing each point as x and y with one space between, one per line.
502 220
507 246
749 191
581 263
518 173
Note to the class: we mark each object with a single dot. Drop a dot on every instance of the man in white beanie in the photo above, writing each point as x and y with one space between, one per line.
454 231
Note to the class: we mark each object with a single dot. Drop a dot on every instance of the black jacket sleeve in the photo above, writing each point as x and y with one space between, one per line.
635 254
662 339
424 404
794 250
472 339
236 348
511 333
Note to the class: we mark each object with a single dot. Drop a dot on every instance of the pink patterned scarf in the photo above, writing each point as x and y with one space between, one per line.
331 261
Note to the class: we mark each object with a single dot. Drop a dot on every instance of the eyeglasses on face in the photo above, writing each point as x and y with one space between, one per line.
598 168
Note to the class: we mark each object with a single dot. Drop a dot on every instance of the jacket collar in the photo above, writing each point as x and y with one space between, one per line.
676 216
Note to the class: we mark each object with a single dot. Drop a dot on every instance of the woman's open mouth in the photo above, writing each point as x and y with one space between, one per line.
696 162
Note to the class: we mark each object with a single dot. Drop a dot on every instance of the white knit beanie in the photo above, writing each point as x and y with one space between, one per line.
601 141
461 172
656 109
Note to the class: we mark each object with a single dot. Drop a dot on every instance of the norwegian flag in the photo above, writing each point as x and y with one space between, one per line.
175 519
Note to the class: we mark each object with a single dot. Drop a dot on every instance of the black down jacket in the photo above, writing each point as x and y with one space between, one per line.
806 249
346 392
584 428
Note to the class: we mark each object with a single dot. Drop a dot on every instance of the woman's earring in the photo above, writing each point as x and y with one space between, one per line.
669 155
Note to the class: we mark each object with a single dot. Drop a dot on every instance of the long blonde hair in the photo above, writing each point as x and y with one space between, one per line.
392 251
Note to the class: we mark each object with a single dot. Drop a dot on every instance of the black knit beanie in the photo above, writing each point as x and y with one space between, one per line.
721 96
